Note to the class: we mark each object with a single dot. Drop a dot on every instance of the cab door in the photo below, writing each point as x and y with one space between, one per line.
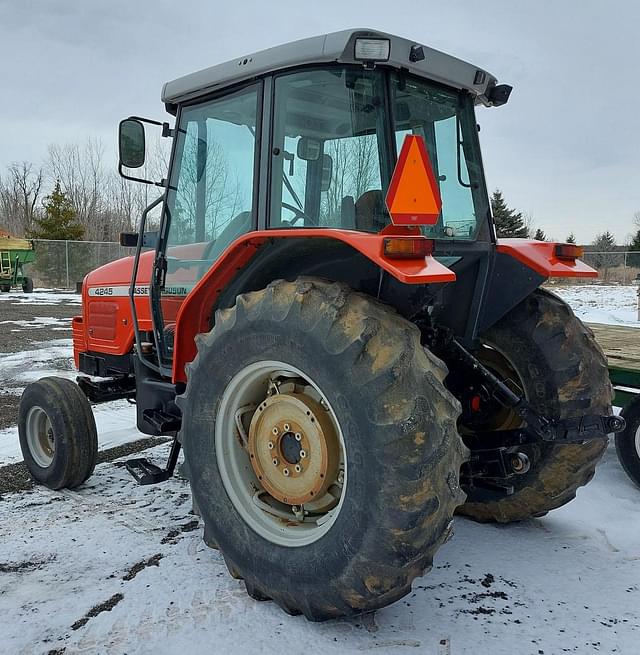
211 199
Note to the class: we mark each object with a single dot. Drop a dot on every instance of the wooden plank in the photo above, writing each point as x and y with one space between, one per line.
621 345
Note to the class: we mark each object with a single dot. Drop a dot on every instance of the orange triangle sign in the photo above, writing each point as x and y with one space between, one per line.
413 197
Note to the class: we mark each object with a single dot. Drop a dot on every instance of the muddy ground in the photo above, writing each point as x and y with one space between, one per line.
25 326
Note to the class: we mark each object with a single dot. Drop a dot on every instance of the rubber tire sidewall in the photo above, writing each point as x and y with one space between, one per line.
564 374
74 428
626 441
356 540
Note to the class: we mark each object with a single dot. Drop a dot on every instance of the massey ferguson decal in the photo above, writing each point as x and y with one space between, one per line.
120 291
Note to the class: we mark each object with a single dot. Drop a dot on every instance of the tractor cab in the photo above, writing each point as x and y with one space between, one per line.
305 137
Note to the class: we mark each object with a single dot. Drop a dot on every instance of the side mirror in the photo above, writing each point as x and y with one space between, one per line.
129 239
131 143
327 172
308 149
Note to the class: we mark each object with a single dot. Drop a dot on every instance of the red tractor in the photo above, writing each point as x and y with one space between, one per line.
346 355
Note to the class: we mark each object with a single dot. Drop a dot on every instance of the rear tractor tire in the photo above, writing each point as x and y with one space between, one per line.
542 347
27 285
324 477
57 431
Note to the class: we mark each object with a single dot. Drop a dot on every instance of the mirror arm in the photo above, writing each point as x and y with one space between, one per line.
162 183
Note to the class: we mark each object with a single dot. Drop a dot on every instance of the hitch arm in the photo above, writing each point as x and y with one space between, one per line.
538 428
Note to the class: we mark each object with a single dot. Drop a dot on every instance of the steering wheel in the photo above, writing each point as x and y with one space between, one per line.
298 214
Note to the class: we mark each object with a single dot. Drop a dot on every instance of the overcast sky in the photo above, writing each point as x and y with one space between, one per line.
566 148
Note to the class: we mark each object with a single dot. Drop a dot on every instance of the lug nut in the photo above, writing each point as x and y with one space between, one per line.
285 472
303 453
340 477
274 461
270 445
285 427
298 468
298 436
275 430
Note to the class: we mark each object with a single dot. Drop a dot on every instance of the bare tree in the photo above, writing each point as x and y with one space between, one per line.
20 192
209 191
354 172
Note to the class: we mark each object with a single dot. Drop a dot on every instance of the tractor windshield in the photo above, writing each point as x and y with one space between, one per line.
336 137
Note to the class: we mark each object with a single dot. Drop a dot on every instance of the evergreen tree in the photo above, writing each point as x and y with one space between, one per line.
571 238
59 219
540 235
634 246
509 223
604 256
55 261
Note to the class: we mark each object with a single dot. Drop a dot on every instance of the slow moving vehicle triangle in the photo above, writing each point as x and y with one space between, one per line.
413 197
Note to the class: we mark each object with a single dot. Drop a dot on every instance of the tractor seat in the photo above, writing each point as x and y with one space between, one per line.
371 213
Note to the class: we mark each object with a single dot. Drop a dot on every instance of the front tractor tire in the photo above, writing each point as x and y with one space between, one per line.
57 432
321 447
548 352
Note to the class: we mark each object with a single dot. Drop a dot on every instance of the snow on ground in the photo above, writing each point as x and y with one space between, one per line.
38 322
608 304
569 582
53 358
113 567
42 297
115 421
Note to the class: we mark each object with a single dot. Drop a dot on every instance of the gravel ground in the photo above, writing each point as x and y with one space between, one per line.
20 328
25 326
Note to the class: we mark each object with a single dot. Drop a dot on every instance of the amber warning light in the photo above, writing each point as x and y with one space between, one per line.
569 251
416 247
413 197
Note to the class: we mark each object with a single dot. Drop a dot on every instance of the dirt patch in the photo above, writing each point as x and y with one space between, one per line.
154 560
15 477
16 337
172 536
21 567
117 452
107 606
8 409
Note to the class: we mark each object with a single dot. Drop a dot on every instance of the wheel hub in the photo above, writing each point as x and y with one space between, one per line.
293 447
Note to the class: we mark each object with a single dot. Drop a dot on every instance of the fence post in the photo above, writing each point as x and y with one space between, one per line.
66 257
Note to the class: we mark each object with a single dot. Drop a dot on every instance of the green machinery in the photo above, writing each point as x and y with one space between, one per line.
15 253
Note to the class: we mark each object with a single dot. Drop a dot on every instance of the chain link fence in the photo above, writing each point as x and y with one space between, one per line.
614 267
62 264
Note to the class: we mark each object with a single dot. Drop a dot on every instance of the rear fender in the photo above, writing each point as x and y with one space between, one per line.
519 267
540 256
195 314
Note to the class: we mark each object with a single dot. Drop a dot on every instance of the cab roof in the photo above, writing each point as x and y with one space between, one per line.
336 47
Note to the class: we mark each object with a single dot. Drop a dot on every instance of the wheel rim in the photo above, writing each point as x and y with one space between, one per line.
40 437
280 453
637 441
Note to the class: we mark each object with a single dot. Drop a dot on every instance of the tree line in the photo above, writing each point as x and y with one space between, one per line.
74 194
512 223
